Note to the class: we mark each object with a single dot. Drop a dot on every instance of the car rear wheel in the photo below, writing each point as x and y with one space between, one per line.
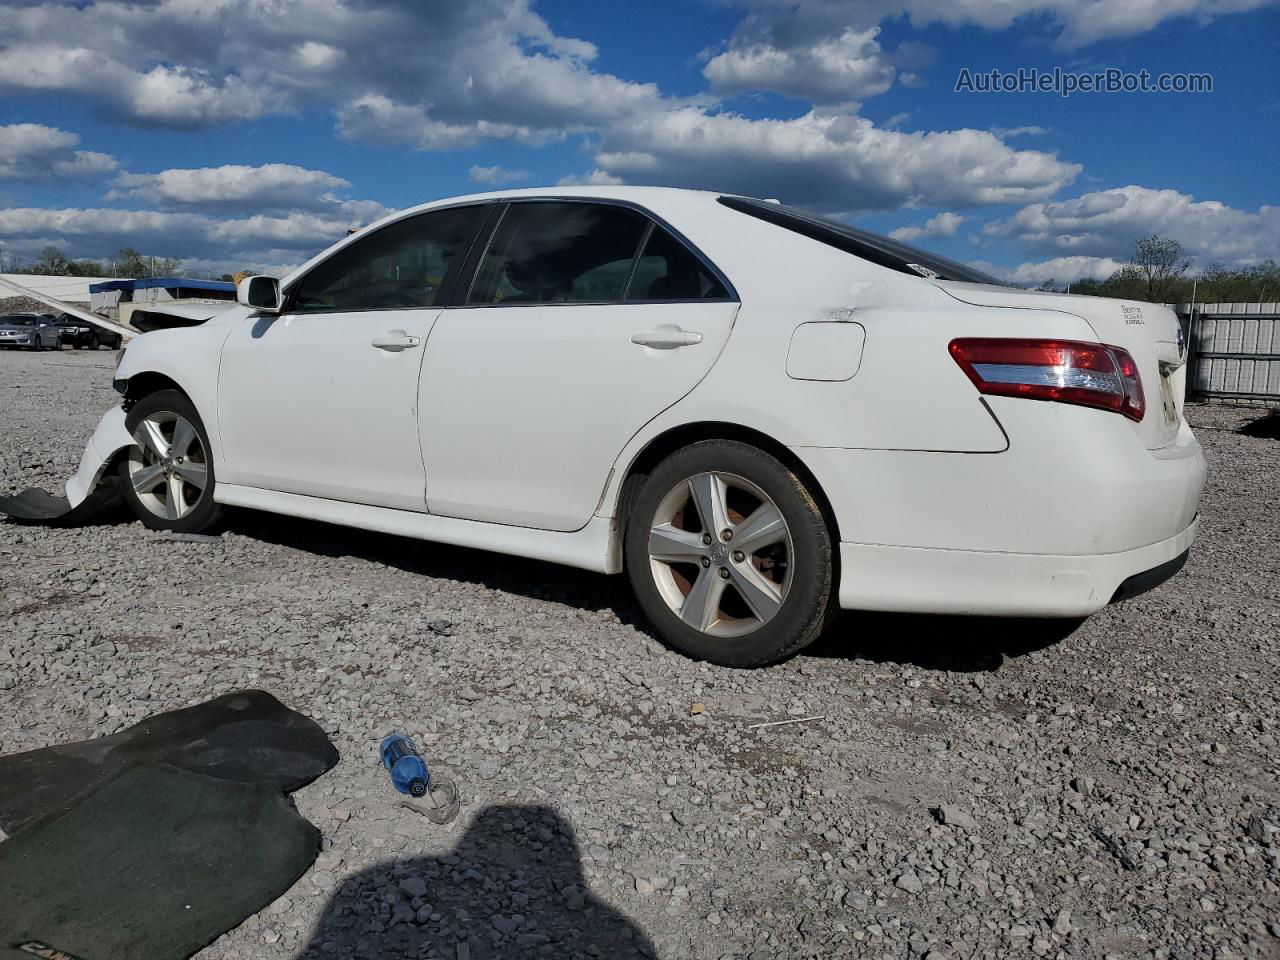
729 555
167 476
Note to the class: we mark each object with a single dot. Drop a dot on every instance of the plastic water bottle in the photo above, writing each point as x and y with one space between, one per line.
408 770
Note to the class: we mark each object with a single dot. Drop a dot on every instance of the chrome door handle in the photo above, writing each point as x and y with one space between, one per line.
667 339
395 342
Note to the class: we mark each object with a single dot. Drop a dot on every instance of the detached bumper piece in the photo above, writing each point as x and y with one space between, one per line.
41 508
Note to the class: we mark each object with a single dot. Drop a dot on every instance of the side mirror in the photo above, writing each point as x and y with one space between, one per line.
260 293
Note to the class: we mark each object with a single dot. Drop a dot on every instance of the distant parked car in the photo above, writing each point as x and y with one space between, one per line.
80 333
31 330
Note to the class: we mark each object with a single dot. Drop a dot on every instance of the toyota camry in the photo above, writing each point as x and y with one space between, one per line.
759 415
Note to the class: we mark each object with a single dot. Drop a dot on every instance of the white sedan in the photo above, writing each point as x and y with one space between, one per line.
759 415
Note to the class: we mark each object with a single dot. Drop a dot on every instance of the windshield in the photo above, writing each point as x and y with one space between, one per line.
18 321
861 243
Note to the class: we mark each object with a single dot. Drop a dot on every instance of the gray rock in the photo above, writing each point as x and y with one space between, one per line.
909 882
1062 922
413 887
956 816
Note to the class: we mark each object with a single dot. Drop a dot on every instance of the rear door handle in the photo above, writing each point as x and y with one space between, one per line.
667 338
395 341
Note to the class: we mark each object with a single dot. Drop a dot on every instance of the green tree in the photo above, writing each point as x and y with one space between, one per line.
1216 284
52 262
86 268
128 262
1264 282
1157 263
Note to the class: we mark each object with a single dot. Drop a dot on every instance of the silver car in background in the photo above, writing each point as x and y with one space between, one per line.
35 331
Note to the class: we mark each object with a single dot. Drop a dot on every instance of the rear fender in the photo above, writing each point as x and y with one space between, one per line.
109 439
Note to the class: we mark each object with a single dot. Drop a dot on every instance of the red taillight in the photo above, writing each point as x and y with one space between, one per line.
1069 371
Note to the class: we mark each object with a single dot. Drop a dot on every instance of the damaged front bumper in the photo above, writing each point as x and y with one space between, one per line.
108 439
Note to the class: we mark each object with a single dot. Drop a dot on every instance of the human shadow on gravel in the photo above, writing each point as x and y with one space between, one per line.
936 642
512 888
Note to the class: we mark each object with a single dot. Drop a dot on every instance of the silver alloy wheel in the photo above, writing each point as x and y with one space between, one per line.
168 466
720 554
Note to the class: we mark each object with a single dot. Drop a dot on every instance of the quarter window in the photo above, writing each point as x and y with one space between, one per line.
560 252
668 270
409 264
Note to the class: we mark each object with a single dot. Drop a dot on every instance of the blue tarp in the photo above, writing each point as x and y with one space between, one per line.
220 285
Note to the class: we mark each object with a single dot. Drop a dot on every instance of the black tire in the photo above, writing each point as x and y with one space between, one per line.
809 602
205 514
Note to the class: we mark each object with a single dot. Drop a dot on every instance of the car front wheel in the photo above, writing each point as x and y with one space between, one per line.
167 476
730 556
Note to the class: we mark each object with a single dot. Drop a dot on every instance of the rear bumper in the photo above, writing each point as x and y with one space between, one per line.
925 580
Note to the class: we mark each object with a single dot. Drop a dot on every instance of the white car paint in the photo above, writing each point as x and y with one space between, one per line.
551 390
518 438
306 385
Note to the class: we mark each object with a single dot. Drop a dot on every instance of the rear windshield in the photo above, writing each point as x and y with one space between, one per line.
861 243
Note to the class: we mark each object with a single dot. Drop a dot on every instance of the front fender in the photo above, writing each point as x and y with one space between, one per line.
189 356
108 439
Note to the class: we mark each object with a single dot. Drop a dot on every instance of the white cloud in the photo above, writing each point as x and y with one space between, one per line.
272 186
173 96
1078 23
99 232
495 175
377 119
445 77
592 178
484 68
34 152
828 51
843 66
1073 23
1105 223
1004 133
1062 270
835 162
945 224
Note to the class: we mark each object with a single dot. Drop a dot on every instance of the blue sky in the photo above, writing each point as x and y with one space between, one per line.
251 134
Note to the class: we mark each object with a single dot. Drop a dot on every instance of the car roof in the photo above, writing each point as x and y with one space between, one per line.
605 190
650 197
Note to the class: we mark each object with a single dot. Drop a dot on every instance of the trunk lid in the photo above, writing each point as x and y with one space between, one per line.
1150 333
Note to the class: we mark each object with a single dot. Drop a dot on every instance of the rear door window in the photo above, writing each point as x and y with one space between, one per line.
560 252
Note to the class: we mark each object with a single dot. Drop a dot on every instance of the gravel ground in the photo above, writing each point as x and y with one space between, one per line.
976 789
